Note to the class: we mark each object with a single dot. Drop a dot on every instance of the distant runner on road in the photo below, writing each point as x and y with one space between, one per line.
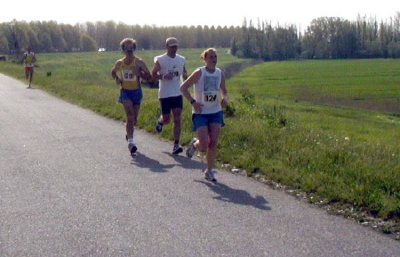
29 59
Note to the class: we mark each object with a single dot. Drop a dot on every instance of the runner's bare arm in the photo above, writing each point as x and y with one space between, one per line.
224 91
114 71
143 71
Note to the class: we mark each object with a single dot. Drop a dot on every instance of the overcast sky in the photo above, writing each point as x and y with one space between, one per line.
189 12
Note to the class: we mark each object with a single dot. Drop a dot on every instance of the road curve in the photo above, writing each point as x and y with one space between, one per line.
68 187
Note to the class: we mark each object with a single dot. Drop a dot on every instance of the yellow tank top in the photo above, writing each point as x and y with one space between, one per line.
129 81
29 59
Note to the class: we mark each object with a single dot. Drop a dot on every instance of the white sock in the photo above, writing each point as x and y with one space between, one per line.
130 140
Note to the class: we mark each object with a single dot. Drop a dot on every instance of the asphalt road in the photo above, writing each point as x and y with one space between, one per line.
68 187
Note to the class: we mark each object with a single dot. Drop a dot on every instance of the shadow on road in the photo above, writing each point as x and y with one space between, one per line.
237 196
143 161
187 163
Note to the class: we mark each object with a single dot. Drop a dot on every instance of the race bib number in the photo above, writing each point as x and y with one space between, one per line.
210 96
174 71
128 75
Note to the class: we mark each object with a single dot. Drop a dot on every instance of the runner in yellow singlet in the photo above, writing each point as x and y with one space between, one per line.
29 59
128 73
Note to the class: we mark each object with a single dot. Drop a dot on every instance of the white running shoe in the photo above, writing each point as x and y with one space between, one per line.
191 149
209 175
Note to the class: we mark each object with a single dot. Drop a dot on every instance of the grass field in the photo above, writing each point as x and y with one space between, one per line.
368 84
326 129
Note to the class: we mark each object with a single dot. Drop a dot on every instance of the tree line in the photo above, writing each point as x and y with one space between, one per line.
49 36
324 38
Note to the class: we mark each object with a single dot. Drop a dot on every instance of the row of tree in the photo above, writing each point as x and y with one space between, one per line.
49 36
325 37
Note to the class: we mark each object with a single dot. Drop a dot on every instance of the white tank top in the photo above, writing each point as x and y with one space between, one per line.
169 88
207 91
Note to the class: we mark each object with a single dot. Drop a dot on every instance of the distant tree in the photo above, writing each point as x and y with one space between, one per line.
88 43
308 45
3 40
33 39
56 36
46 43
289 42
190 38
16 35
247 40
385 36
213 37
89 28
261 43
207 37
394 49
234 47
144 38
200 40
330 37
374 49
43 33
270 35
106 37
121 31
71 36
396 27
222 36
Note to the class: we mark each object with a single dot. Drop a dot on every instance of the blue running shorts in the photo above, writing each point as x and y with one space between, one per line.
200 120
135 96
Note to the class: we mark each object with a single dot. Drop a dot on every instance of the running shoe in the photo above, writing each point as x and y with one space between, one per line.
132 148
209 175
159 127
177 149
191 149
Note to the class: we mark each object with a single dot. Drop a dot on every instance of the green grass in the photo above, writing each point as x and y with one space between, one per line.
330 128
345 80
327 149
